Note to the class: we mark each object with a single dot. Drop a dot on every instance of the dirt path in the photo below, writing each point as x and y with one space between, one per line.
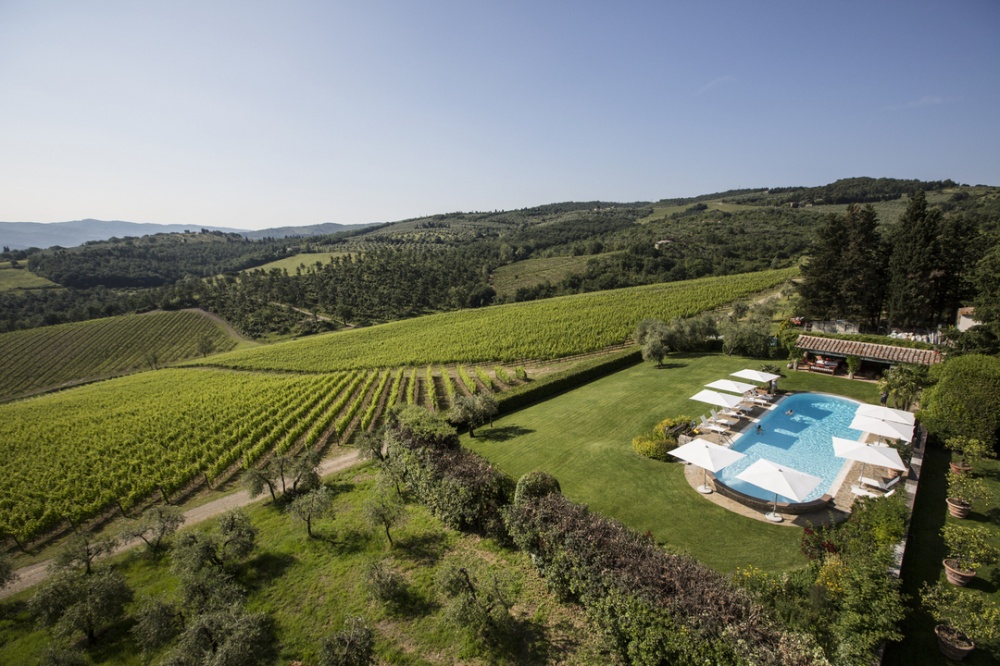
36 573
233 333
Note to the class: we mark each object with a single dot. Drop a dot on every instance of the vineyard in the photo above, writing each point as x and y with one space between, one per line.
69 456
546 329
52 356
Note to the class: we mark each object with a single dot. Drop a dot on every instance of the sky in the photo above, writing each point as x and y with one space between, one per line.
251 114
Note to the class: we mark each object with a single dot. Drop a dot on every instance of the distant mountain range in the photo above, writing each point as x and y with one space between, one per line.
22 235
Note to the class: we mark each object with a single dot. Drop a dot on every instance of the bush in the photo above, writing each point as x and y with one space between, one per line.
650 445
965 401
533 485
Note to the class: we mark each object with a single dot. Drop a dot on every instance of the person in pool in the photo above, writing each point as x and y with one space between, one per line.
789 412
760 431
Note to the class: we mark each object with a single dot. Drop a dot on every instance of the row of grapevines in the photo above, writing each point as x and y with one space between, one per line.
352 411
470 384
549 328
375 401
412 388
51 356
69 455
323 424
485 378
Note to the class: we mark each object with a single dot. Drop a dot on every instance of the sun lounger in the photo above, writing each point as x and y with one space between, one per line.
718 418
760 400
863 492
714 427
736 414
878 483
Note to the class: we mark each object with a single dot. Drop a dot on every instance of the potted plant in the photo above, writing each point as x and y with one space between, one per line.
853 364
969 451
962 617
969 548
963 490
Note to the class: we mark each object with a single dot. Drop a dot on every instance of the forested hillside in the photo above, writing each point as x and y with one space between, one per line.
449 261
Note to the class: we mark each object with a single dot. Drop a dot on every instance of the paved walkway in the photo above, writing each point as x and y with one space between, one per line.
36 573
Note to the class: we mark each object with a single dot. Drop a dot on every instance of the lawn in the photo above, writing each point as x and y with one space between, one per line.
21 278
583 438
531 272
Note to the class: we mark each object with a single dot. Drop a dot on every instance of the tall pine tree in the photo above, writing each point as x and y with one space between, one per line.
915 266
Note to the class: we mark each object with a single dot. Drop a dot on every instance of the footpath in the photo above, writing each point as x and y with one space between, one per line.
36 573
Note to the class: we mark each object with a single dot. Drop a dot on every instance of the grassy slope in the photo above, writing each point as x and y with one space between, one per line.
584 438
538 329
53 356
304 260
508 279
309 586
22 278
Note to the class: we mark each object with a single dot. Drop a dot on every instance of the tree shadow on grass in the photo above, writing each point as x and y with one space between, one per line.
409 603
526 641
340 487
348 542
670 366
265 568
423 548
502 434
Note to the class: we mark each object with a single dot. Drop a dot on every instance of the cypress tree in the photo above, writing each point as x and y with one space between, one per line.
915 266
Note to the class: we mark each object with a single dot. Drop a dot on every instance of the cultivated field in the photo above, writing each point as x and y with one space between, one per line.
21 278
511 277
53 356
546 329
303 261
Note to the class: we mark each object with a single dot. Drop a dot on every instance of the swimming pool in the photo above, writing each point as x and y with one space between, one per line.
801 441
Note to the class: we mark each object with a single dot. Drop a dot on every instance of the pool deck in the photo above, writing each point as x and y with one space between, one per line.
840 489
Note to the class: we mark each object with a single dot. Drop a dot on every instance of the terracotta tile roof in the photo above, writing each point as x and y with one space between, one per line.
868 350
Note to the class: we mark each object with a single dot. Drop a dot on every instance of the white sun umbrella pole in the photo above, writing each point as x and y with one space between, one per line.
882 428
882 456
779 480
710 457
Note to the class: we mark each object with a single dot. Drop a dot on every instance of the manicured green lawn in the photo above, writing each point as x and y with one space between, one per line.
584 437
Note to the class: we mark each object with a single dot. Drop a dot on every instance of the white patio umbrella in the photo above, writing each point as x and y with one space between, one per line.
779 480
716 398
754 375
887 414
882 428
882 456
731 386
710 457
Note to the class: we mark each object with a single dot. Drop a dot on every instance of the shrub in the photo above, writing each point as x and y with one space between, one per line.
965 401
650 445
533 485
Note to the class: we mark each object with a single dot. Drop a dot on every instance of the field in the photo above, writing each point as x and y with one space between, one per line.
584 439
309 587
74 454
304 260
546 329
21 278
43 358
511 277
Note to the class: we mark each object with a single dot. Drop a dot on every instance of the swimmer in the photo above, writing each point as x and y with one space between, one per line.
789 413
760 430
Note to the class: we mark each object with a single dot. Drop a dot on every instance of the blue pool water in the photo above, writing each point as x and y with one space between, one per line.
801 441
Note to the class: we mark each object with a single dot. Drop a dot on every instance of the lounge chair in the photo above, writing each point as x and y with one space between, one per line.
864 492
879 484
713 427
735 413
720 419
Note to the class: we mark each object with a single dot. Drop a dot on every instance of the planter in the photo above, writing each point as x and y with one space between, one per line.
958 508
960 467
957 576
953 644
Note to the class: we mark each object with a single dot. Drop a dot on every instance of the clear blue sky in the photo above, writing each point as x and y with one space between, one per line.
255 114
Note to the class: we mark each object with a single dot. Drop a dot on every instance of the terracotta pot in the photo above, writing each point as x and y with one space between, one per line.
957 576
953 644
960 467
958 508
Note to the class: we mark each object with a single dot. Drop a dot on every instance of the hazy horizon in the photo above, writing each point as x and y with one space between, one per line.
251 115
